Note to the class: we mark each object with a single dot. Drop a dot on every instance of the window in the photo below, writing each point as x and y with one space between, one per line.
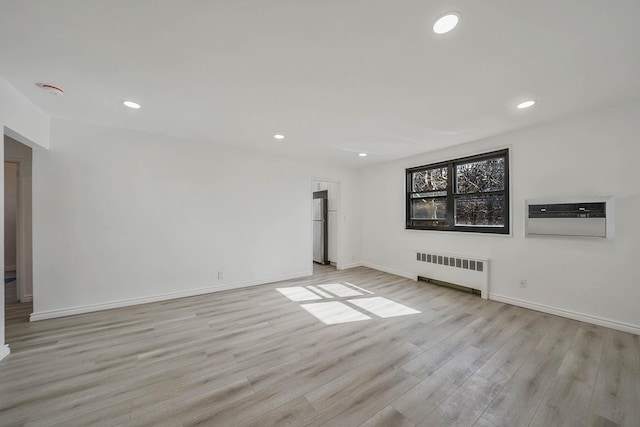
468 194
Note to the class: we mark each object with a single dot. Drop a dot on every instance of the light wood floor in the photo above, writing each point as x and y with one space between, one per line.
254 357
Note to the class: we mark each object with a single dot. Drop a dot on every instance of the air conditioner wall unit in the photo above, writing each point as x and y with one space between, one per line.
588 217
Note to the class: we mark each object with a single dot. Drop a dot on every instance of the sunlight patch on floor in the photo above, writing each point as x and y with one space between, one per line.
342 307
358 287
334 312
340 290
298 293
383 307
319 291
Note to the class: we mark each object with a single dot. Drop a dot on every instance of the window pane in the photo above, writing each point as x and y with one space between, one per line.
486 211
429 180
430 223
429 194
429 209
481 176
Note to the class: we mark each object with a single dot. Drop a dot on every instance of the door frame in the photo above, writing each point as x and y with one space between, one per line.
324 195
338 235
21 233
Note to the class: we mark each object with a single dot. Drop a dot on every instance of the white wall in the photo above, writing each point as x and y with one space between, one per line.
594 280
348 212
123 217
21 120
10 209
127 216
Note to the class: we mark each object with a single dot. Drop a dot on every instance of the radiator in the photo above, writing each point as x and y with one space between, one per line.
462 270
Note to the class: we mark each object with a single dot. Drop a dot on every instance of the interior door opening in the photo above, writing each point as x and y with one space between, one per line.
320 228
325 222
10 231
18 260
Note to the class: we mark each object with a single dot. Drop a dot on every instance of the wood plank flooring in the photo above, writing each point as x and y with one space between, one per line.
254 357
14 311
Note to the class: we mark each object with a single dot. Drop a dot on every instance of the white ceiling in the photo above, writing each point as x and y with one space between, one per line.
336 77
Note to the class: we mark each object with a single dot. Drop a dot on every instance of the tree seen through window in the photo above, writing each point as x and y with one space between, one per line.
468 194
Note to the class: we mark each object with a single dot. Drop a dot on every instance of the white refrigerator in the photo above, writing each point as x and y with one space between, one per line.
320 231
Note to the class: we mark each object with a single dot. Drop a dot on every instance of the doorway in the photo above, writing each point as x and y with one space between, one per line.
18 231
330 192
320 228
10 231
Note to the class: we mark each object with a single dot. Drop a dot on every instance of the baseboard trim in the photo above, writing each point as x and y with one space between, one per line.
348 266
72 311
4 351
613 324
26 298
389 270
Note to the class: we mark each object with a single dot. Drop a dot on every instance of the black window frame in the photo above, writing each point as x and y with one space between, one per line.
449 224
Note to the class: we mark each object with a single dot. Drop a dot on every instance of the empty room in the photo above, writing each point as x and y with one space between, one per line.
323 213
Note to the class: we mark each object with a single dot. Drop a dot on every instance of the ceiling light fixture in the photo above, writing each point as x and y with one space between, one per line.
131 104
526 104
446 23
53 90
362 154
278 136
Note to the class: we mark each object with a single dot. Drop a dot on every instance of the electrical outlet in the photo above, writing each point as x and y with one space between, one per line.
523 283
220 275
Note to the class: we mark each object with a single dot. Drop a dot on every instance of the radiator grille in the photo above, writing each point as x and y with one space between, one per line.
458 269
455 262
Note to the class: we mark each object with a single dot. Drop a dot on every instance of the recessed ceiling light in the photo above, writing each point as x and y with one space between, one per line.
526 104
446 23
362 154
278 136
131 104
